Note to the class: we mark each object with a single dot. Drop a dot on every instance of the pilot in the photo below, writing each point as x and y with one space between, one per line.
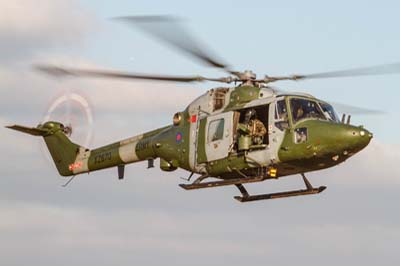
256 128
299 113
283 115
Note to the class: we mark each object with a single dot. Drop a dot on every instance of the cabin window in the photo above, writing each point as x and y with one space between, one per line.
304 108
215 130
219 98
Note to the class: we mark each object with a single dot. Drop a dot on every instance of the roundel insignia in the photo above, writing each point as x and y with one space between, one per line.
178 137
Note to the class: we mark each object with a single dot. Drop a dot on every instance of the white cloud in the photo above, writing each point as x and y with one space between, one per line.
152 236
26 27
377 164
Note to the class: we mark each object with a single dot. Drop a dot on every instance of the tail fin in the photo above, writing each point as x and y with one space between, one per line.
35 131
62 150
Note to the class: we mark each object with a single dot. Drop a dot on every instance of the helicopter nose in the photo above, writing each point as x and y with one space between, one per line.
358 138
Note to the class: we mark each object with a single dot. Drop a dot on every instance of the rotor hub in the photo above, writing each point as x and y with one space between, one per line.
247 75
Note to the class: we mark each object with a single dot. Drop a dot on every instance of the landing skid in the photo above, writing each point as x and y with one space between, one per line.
246 197
284 194
198 185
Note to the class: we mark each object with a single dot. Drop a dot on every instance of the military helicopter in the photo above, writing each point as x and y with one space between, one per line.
246 133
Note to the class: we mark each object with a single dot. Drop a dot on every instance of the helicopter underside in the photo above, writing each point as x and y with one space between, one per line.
246 197
244 175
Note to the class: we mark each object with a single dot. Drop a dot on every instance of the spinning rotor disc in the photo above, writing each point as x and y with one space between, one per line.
73 110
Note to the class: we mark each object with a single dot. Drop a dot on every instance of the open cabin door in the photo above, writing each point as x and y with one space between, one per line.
216 136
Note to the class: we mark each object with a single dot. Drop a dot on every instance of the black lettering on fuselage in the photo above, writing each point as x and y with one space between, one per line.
102 157
142 145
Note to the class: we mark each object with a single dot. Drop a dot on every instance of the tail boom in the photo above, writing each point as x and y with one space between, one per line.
72 159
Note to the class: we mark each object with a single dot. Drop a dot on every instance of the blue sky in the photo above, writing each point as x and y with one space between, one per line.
147 219
269 37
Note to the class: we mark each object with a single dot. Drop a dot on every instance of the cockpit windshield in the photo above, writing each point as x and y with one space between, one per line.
329 112
305 108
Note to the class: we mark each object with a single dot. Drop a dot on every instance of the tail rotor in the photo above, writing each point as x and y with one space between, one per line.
74 111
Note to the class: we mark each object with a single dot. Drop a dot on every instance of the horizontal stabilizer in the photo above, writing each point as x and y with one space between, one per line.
29 130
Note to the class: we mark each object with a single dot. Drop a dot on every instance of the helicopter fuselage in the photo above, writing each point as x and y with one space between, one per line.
212 136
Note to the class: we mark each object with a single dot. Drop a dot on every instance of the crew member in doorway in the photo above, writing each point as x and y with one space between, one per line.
256 128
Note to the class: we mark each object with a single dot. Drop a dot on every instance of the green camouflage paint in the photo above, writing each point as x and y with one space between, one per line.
327 144
242 95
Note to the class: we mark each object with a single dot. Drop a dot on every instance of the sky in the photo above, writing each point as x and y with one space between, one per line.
146 218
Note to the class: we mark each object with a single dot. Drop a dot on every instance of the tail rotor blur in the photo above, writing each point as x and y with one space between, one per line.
74 111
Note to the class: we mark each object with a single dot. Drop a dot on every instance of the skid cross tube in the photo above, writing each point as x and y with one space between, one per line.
236 181
285 194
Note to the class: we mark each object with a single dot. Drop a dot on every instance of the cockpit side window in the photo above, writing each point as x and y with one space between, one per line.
304 108
281 110
281 115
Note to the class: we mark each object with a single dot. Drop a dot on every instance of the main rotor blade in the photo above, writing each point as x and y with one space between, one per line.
355 72
65 72
364 71
169 30
355 110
